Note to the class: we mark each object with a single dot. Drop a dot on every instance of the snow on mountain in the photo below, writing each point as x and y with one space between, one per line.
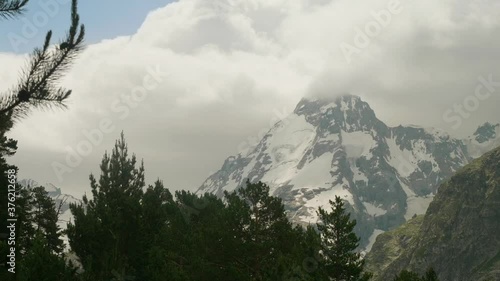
329 147
61 200
372 238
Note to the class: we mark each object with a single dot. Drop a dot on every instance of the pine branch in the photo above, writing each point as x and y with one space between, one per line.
37 86
12 8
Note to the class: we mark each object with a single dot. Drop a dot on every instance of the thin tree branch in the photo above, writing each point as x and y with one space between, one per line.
37 86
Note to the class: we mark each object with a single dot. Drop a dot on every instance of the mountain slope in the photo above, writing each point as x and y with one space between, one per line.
390 245
331 147
458 236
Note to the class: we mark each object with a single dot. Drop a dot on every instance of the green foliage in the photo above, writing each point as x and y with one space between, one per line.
105 232
40 262
37 87
45 217
261 224
405 275
338 244
38 244
7 148
39 248
37 214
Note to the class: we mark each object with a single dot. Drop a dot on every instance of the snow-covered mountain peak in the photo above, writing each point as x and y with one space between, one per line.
347 113
338 146
346 102
51 189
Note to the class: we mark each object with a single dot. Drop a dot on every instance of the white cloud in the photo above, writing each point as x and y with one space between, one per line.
232 63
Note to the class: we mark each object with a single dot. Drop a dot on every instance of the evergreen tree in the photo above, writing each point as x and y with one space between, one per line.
158 207
38 242
158 203
302 263
41 264
339 242
7 148
265 235
105 234
37 213
208 247
26 229
36 89
45 216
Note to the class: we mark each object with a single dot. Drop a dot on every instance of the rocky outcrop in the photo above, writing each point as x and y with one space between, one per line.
459 234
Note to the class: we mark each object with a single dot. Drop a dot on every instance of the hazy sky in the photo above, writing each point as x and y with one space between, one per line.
190 82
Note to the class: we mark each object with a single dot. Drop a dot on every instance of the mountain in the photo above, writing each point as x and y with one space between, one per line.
484 139
338 146
59 198
458 236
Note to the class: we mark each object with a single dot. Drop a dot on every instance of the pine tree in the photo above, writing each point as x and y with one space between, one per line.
105 234
36 89
208 247
37 213
38 241
45 216
266 236
26 228
157 204
339 242
8 148
41 264
158 208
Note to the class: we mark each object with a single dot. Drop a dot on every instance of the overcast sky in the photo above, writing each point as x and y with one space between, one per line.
217 73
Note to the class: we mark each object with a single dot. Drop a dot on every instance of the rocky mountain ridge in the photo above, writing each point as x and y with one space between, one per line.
329 147
458 236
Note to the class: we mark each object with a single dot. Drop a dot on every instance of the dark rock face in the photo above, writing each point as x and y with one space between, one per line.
391 245
338 146
459 235
486 132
